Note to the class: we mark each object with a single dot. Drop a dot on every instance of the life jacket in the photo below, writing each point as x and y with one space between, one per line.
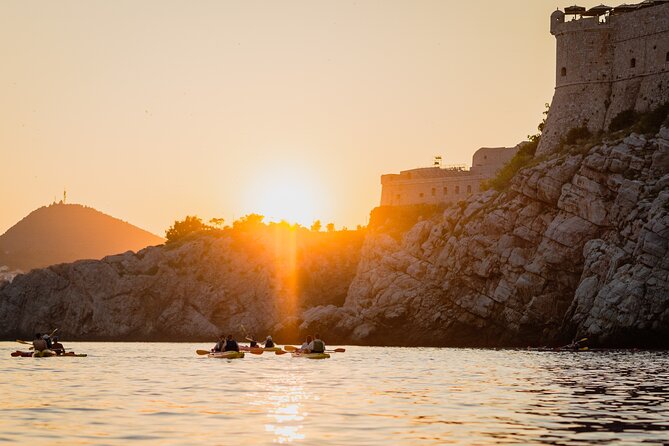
269 343
231 346
319 346
47 338
253 344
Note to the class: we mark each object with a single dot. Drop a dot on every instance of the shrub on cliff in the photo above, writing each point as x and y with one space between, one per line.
190 225
395 220
647 122
622 120
521 159
577 134
650 122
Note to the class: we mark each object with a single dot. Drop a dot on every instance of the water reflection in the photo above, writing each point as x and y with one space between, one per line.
367 396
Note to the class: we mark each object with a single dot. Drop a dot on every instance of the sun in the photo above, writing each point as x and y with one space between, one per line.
289 194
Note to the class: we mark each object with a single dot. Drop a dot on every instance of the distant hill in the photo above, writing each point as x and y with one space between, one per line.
66 232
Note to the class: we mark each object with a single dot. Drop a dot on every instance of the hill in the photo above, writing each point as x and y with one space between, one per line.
66 232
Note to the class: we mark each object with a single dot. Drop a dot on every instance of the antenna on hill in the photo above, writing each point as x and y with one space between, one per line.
437 161
64 195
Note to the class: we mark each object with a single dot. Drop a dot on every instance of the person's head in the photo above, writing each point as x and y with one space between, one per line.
269 338
317 336
229 338
38 335
55 339
309 339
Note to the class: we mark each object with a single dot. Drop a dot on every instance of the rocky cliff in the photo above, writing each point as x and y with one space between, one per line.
577 246
244 281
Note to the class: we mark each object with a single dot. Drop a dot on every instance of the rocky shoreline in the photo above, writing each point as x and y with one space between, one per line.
576 246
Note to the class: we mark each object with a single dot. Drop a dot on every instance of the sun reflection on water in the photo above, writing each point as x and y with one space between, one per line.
285 411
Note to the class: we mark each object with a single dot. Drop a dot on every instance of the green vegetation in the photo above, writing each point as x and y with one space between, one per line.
521 159
647 123
395 220
580 140
251 225
577 134
188 226
623 120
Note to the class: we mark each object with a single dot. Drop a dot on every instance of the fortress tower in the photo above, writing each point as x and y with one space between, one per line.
616 60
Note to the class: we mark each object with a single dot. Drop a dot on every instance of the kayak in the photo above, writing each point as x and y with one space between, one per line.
46 354
310 355
226 355
268 349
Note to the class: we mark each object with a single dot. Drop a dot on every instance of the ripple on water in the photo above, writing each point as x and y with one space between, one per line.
368 395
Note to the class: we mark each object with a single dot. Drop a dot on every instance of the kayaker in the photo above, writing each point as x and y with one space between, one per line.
305 345
252 342
231 345
39 344
317 345
57 346
268 342
220 345
47 339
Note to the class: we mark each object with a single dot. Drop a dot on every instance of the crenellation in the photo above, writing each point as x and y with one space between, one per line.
434 185
606 64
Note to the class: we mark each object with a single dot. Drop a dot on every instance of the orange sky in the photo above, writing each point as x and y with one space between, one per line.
151 110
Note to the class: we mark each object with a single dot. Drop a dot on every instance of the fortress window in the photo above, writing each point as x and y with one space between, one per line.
434 191
421 195
633 63
445 190
469 189
457 189
563 71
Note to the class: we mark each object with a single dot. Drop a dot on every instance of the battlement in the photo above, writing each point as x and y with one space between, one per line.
608 60
438 184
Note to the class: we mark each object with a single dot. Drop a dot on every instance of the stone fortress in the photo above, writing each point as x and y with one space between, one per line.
433 185
609 60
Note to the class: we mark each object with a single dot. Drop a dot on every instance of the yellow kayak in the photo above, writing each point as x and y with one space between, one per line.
226 355
310 355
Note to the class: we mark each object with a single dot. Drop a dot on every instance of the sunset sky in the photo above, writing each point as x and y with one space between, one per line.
152 110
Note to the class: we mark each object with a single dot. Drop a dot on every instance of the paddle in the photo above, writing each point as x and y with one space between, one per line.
280 352
24 342
289 348
336 350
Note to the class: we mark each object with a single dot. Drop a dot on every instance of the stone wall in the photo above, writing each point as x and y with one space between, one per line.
606 67
434 185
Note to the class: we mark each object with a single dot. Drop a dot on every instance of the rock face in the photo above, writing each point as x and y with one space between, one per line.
576 247
197 289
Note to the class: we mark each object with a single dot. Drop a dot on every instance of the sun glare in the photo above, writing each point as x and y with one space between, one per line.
288 194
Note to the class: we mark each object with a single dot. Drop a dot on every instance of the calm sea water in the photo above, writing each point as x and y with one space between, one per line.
153 393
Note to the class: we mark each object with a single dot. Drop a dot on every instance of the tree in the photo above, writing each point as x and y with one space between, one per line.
248 222
316 226
330 227
181 229
217 222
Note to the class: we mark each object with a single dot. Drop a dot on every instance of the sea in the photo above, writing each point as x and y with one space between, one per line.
164 393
